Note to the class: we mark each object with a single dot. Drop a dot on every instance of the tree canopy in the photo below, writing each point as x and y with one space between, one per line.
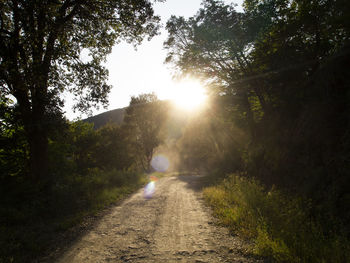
277 72
252 56
145 120
41 45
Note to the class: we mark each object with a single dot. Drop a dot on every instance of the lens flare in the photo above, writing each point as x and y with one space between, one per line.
149 190
160 163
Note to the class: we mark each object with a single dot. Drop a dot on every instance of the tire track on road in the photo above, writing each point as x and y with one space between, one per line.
173 226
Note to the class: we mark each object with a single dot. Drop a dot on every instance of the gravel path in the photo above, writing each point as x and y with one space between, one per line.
172 226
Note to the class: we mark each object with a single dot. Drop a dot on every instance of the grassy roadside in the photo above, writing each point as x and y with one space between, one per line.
282 227
30 228
105 189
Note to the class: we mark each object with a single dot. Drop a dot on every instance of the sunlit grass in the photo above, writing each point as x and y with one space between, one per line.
281 227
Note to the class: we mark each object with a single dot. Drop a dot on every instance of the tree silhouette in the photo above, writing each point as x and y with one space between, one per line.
145 119
41 43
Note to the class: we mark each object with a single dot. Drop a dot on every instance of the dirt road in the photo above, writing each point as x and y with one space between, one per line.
172 226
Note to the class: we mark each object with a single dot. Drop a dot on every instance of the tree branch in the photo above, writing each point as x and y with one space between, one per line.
58 26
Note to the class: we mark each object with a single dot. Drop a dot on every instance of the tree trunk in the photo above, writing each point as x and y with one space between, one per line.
38 138
36 128
38 146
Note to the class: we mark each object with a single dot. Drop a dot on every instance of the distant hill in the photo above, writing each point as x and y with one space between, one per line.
177 120
113 116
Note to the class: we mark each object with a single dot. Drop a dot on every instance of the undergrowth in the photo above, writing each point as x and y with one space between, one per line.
282 228
29 227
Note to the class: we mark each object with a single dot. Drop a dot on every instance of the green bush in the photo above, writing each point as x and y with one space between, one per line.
28 228
282 227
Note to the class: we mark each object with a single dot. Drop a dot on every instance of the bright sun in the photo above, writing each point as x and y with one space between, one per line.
187 94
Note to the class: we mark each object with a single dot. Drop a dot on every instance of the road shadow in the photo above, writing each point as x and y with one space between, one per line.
194 182
64 240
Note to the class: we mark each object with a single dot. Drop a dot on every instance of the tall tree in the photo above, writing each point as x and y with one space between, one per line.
41 45
282 65
215 44
145 119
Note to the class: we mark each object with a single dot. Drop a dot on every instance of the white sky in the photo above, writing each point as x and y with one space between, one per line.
132 72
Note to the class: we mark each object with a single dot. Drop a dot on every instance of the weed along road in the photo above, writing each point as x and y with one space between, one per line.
172 225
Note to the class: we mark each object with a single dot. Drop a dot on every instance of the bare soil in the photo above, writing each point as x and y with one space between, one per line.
172 226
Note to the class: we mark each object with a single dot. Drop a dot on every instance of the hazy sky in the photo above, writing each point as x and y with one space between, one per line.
132 72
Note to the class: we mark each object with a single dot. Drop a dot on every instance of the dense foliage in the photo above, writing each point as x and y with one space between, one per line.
53 172
278 78
90 168
41 56
145 123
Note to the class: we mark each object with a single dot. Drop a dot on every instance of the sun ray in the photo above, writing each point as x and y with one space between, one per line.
188 94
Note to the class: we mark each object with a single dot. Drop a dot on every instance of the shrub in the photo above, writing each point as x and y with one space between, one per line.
282 227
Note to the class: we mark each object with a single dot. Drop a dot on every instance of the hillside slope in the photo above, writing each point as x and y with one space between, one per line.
113 116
